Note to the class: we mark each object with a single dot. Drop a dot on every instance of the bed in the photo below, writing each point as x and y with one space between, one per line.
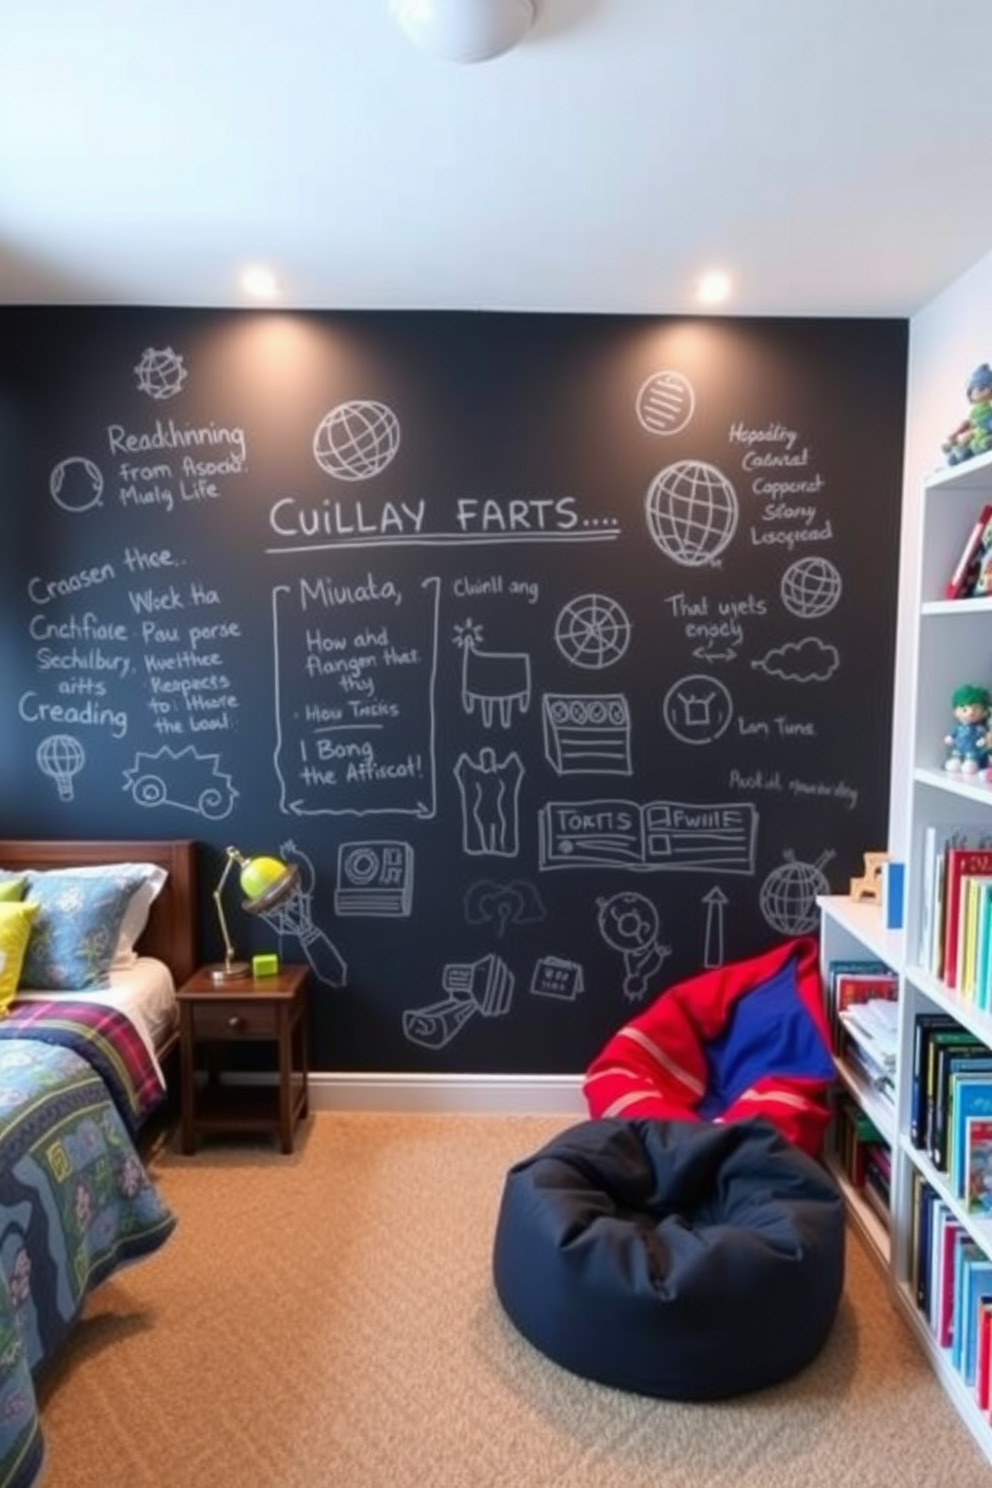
81 1074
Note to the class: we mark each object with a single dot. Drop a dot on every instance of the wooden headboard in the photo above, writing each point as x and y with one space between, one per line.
171 931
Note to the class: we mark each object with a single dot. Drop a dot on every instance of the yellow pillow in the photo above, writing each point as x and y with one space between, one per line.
16 921
12 888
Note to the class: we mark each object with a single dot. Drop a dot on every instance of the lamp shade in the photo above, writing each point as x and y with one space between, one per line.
265 882
464 30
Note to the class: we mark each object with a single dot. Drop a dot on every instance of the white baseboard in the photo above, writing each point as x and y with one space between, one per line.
517 1095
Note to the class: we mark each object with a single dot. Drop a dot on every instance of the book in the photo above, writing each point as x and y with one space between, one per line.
893 887
983 1363
963 576
937 838
967 1091
978 1163
960 861
976 1282
961 1043
845 980
924 1026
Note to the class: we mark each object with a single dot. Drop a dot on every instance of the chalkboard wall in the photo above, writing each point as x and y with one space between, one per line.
556 651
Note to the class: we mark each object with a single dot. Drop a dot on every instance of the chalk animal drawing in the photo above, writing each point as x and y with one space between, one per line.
496 681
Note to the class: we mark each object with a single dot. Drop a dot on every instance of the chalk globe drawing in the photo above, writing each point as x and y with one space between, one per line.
665 403
356 440
76 484
788 897
691 510
592 631
811 587
61 758
161 373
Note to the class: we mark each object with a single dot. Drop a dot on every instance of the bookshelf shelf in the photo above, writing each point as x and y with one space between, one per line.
952 646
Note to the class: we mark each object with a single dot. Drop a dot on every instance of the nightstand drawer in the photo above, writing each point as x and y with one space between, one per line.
238 1018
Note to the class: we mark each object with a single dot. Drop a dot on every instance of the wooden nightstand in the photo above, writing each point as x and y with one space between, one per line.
214 1017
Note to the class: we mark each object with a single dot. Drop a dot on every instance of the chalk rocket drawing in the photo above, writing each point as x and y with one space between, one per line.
490 794
496 681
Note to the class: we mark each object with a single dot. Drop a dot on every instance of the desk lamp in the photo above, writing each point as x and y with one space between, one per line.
265 883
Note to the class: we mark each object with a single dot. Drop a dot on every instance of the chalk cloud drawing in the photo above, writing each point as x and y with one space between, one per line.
665 403
592 631
161 373
503 905
558 977
356 440
697 709
587 735
76 484
497 682
184 778
293 920
811 587
788 895
629 924
692 511
61 757
483 987
489 789
808 660
374 878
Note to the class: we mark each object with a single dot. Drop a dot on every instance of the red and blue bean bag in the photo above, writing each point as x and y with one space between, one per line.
748 1039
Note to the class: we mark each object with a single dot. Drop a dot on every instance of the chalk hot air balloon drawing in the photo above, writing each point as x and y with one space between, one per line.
61 757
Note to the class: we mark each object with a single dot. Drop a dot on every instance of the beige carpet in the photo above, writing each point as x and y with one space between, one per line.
329 1319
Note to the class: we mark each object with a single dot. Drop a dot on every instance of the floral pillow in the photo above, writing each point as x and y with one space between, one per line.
77 930
16 921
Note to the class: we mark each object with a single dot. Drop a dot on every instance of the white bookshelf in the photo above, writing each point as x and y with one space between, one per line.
952 645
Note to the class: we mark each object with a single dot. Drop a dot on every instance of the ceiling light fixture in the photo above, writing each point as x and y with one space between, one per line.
713 288
464 30
260 283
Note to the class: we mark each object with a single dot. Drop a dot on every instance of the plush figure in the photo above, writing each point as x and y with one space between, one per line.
974 435
968 741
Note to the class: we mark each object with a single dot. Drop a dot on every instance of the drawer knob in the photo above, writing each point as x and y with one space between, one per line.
235 1021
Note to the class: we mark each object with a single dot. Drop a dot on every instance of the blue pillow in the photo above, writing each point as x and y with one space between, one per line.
76 930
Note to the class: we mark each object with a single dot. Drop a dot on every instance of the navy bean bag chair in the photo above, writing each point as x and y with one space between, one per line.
687 1260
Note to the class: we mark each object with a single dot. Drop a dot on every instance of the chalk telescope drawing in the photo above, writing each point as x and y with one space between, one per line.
489 792
587 734
716 903
374 878
356 724
61 757
692 511
293 920
76 484
592 631
356 440
788 895
665 403
697 709
659 835
184 778
811 587
558 977
161 373
497 682
484 987
629 924
503 905
808 660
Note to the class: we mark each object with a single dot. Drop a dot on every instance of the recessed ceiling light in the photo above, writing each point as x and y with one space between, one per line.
713 288
260 283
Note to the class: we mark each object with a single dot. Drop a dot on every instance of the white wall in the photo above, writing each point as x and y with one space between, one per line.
947 340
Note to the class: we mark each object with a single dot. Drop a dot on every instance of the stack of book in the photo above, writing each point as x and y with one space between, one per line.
952 1279
956 910
861 1009
951 1106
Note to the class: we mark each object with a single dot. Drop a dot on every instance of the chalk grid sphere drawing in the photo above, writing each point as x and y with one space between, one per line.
691 510
592 631
356 440
811 587
76 484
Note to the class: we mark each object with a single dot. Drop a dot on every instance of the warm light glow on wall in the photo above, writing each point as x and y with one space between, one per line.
713 288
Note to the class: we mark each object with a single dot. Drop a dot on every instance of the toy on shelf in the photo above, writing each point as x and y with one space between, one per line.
869 885
973 436
968 741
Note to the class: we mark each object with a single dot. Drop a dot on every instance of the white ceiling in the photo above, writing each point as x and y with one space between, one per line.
833 154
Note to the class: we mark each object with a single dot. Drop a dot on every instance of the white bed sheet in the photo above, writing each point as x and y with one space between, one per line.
144 991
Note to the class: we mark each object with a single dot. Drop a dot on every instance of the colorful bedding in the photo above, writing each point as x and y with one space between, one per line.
76 1203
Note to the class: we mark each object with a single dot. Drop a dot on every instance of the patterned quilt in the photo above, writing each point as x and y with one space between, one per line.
76 1203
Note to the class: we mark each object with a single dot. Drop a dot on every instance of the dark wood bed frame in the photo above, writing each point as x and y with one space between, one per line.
171 931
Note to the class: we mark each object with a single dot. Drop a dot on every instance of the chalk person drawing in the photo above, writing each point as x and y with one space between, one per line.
490 792
293 918
497 682
629 924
